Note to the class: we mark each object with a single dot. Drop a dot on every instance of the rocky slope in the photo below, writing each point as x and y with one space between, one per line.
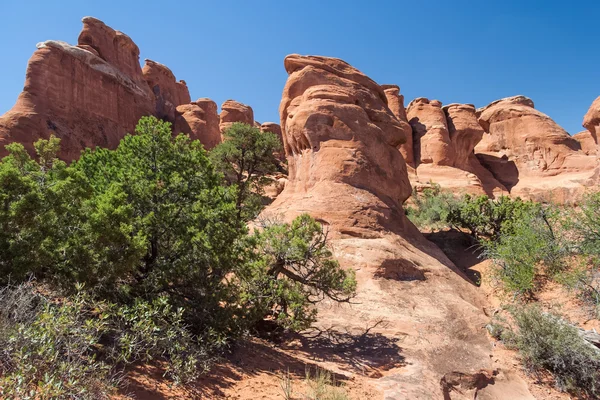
341 141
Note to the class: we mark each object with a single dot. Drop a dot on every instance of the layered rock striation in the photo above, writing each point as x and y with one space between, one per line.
93 93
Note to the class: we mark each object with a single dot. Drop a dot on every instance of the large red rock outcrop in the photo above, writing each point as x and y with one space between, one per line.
78 96
396 105
89 95
345 170
443 141
523 145
233 111
430 133
200 120
168 93
588 142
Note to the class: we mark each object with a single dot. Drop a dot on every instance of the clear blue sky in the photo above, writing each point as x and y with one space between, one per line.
454 51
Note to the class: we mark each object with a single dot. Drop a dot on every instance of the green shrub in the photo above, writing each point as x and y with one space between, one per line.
546 342
485 218
431 208
79 348
245 158
294 271
524 251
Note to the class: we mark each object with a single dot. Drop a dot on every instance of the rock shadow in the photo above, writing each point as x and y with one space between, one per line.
400 270
362 351
461 249
504 170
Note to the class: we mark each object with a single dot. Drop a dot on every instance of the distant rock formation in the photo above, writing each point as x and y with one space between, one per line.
168 93
396 105
523 145
200 120
93 93
430 132
341 141
233 111
443 140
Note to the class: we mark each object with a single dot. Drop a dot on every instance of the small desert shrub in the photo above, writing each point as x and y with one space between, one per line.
431 208
77 348
526 250
546 342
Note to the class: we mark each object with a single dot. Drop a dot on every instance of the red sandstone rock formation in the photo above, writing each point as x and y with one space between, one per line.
522 145
89 95
591 122
588 142
444 139
234 111
464 130
78 96
200 120
396 104
430 133
168 93
345 170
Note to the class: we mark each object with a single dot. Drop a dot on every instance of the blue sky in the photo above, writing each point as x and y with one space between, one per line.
454 51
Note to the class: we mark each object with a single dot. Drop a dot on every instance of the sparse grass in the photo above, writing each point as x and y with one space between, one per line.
320 385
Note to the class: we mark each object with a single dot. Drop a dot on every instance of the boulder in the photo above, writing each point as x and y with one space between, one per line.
530 138
200 120
430 133
396 105
168 93
341 141
233 111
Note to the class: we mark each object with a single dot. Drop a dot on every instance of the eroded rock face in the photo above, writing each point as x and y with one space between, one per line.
523 145
89 95
337 129
233 111
114 47
588 142
200 120
77 96
396 105
526 136
464 130
345 170
168 93
430 133
591 120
